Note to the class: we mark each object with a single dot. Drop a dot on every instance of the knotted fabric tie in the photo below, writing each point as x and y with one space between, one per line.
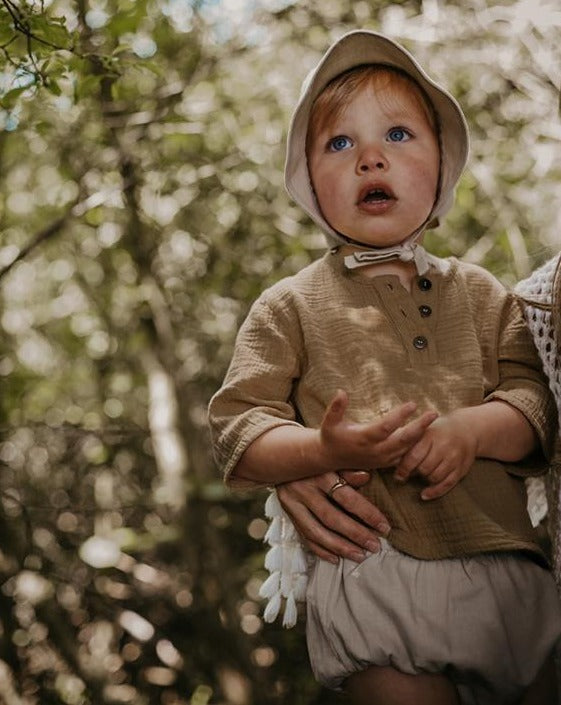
405 253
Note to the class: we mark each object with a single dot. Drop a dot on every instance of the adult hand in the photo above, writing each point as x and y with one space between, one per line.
346 525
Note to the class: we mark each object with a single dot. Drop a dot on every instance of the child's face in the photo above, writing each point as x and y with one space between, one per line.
375 168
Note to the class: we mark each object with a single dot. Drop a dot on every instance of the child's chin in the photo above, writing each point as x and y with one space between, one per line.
380 242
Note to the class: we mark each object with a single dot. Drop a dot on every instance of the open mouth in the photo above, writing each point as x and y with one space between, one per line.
376 195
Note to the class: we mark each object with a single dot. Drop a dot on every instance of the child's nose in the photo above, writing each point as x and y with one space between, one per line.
372 159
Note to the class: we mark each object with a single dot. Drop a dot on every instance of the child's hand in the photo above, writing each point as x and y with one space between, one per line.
379 444
443 456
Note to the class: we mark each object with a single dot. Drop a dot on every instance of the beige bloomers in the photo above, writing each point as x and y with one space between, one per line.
487 622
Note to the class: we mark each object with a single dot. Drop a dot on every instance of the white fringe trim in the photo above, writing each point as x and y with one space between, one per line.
287 564
537 499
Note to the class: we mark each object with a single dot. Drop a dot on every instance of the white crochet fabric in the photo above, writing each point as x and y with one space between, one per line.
541 294
537 292
542 297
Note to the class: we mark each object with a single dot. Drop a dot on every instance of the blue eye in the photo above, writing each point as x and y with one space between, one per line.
339 143
399 134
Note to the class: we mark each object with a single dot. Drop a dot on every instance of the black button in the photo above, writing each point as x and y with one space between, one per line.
420 342
424 284
425 311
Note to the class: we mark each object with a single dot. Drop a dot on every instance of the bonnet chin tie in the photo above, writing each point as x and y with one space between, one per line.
405 253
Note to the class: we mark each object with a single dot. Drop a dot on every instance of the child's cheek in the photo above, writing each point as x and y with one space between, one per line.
327 190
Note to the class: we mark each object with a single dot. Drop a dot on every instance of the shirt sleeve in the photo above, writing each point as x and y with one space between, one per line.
521 382
256 394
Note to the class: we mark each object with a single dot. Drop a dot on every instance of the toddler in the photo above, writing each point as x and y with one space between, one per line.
420 370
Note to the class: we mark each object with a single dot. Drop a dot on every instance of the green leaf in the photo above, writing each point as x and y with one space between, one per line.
49 31
60 20
87 86
6 32
121 49
124 23
117 90
54 64
9 99
52 86
154 66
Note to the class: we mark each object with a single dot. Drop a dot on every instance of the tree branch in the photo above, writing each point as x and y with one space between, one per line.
42 235
77 209
21 26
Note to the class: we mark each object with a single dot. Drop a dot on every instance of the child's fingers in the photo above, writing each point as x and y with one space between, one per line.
335 412
382 428
412 459
407 436
436 471
437 464
390 452
442 488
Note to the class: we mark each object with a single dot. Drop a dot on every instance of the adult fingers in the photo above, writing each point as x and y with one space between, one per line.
321 522
320 535
355 478
327 543
293 494
320 551
364 516
345 525
324 542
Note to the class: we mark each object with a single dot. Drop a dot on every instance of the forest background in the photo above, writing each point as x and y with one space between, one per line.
142 209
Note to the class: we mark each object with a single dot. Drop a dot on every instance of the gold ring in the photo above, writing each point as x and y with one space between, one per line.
341 482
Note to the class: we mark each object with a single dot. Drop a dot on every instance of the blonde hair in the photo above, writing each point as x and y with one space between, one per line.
332 101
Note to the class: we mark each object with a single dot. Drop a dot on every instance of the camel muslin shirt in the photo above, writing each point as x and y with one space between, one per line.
457 339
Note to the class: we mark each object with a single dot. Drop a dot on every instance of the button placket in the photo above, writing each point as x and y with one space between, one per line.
424 294
402 308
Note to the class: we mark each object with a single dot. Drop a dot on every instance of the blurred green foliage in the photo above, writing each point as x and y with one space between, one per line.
142 210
